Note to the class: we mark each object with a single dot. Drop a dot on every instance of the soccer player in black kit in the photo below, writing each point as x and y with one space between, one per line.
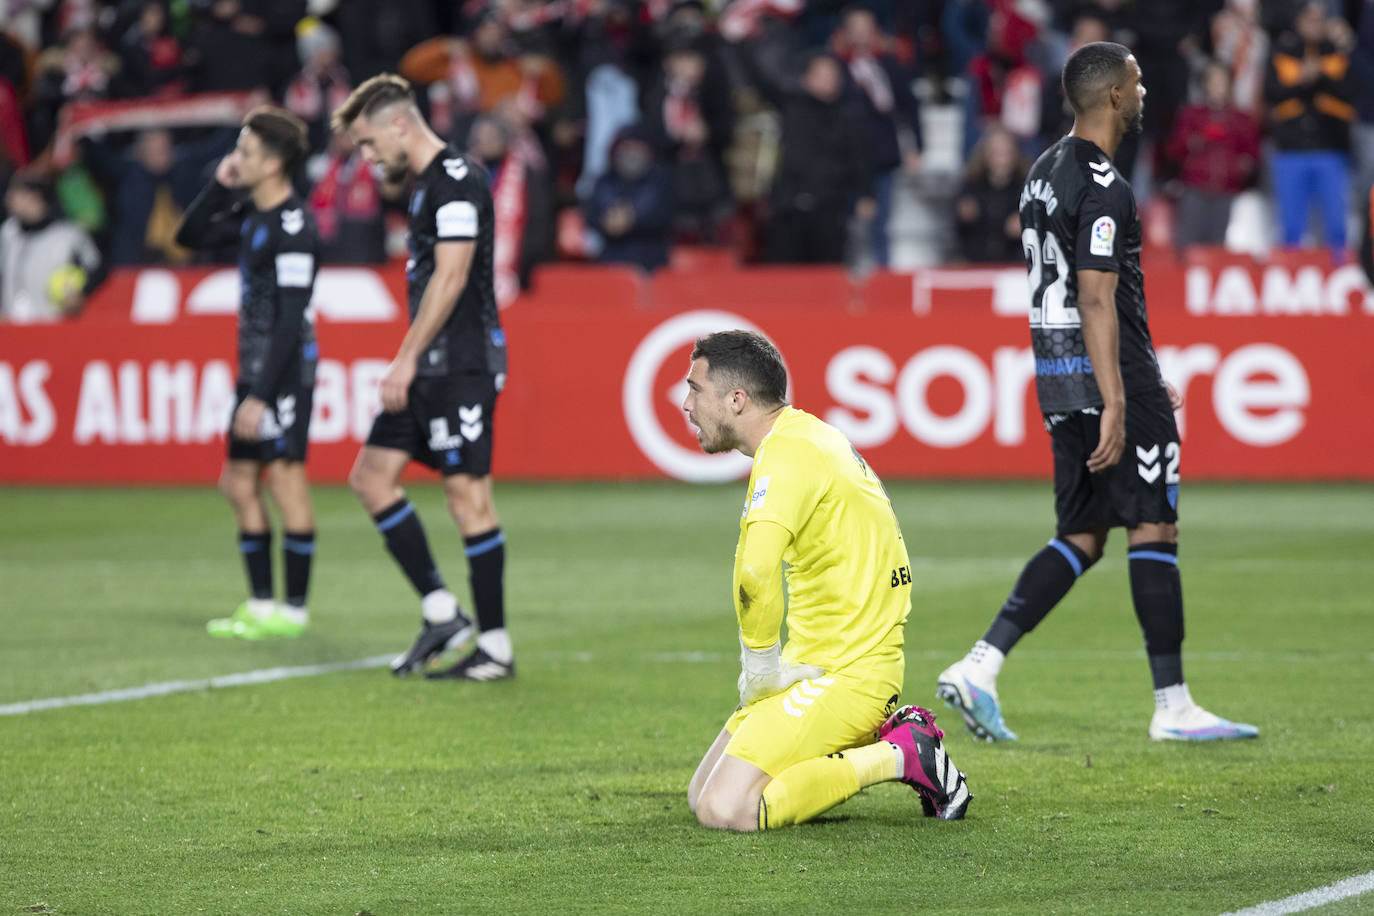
278 252
439 393
1103 401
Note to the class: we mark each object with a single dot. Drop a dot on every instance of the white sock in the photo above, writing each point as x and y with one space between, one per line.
987 658
496 643
1173 698
439 606
261 608
295 614
900 759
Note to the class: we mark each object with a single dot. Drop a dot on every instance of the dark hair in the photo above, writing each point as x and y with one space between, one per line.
744 359
372 95
1091 71
281 133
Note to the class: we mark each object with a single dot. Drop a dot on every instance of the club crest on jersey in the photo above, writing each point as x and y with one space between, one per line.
1104 235
292 221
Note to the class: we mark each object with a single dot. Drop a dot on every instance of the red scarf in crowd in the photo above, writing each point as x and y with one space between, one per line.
511 203
348 189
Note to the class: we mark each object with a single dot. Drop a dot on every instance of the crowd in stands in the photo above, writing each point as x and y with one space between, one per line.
618 130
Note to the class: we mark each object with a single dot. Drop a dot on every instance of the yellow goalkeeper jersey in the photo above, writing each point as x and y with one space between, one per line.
848 574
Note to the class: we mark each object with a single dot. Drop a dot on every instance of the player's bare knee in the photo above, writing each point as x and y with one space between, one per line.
722 811
239 489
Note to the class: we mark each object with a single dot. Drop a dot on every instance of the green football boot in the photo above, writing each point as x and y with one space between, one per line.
245 623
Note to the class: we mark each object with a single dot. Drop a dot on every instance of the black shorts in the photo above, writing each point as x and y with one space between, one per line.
1142 487
285 427
446 424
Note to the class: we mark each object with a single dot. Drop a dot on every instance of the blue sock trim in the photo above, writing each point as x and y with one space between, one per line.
486 546
252 546
1067 552
1152 555
401 515
301 547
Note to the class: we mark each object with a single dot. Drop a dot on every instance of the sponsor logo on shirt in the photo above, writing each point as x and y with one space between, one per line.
760 492
1104 235
456 219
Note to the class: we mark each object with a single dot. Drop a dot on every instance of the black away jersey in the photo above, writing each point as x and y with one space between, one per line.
1078 213
278 258
451 202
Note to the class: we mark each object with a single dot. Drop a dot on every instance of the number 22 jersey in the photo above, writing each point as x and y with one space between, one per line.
1078 213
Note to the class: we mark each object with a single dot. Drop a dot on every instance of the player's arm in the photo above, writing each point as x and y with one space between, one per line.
452 263
211 220
758 583
295 269
1097 310
759 609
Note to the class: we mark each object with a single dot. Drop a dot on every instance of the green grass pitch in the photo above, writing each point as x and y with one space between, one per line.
563 790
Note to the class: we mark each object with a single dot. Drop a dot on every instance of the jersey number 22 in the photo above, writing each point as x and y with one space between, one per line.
1049 282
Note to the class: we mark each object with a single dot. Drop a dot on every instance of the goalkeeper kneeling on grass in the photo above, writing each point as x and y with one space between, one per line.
818 720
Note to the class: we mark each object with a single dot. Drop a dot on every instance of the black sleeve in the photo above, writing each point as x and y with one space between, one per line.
295 265
1103 215
454 202
212 220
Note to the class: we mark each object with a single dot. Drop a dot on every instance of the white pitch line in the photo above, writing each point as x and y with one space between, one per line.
1350 887
240 679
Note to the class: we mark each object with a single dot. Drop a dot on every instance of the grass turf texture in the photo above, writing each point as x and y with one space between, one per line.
564 789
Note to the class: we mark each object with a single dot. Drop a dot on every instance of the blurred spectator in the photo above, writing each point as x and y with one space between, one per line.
885 102
632 204
376 33
1004 85
321 85
79 70
47 264
346 202
1216 146
1309 90
690 119
823 171
150 56
606 43
1362 131
522 196
245 44
986 209
1240 43
469 76
151 185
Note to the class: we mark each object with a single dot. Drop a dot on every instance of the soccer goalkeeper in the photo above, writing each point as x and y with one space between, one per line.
810 730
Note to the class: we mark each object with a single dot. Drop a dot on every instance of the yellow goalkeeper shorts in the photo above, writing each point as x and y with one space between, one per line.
818 716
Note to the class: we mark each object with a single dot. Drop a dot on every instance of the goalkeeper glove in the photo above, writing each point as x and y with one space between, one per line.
764 673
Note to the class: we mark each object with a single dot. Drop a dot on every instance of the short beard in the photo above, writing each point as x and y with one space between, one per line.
725 441
1136 124
395 174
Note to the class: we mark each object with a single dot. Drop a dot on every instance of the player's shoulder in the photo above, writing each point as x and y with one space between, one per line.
295 222
451 175
801 438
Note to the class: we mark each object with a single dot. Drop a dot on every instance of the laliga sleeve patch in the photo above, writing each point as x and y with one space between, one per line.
759 493
456 219
295 268
1104 236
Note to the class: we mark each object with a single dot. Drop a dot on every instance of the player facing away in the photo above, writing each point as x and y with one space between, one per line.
1108 411
817 720
278 250
439 393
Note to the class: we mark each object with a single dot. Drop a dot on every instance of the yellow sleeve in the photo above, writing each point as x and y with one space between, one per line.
758 582
789 480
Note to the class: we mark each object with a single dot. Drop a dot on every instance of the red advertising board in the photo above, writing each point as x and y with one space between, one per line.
929 374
